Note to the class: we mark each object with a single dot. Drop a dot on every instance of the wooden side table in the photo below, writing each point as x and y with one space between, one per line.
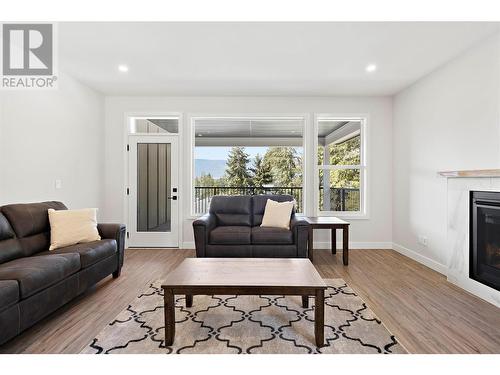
332 223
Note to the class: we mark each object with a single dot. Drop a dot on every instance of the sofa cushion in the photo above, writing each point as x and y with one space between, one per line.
10 247
30 222
230 235
271 236
232 211
28 219
273 251
229 251
277 214
259 205
71 227
90 252
9 293
6 231
39 272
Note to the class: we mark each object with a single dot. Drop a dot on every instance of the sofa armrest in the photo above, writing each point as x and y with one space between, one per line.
116 232
300 229
298 221
202 227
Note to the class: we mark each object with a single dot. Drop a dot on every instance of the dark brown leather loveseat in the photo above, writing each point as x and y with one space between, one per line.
35 282
232 229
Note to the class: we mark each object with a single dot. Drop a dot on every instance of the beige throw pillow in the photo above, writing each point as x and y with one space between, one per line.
277 214
69 227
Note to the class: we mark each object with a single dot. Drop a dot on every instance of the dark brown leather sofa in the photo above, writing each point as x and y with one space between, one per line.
35 282
232 229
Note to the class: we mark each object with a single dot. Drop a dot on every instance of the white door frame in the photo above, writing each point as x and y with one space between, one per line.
153 239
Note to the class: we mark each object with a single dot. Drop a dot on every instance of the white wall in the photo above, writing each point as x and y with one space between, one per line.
374 232
448 120
49 135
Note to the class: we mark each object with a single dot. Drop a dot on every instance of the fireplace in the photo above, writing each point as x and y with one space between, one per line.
484 265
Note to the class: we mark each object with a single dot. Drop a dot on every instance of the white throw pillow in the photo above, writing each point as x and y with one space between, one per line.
277 214
69 227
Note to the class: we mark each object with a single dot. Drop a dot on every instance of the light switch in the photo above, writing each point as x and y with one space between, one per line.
58 184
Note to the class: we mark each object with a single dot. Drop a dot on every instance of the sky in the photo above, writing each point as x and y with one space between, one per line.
221 153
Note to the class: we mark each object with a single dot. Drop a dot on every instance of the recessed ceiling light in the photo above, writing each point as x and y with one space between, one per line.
370 68
123 68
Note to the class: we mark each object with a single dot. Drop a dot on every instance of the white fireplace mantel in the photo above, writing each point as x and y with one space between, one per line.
482 173
459 185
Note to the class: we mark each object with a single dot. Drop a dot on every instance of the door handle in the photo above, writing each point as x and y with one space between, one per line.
174 197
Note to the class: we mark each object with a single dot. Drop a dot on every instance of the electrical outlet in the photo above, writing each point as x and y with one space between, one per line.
58 184
422 240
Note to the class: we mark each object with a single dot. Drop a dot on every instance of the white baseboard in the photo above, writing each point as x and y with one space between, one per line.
188 245
354 245
326 245
436 266
480 290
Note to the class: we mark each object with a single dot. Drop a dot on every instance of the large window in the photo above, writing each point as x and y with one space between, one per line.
341 167
246 156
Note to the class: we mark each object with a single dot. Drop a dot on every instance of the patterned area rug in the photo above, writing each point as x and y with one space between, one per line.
247 324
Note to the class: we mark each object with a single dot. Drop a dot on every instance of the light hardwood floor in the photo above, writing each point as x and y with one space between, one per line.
425 312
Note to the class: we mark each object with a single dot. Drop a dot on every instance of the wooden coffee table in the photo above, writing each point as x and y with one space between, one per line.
244 276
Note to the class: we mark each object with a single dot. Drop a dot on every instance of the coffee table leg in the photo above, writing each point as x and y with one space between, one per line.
169 317
345 244
319 317
189 300
305 302
310 243
334 241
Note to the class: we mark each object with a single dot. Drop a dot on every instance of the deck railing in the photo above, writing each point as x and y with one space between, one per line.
341 199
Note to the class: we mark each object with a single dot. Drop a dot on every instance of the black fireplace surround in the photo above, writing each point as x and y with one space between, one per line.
484 264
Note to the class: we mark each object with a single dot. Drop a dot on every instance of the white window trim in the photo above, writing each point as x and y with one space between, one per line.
169 116
191 118
363 167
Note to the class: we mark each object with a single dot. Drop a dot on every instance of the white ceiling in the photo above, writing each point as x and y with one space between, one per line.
260 58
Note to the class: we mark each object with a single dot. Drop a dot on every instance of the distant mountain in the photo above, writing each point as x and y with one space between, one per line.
216 168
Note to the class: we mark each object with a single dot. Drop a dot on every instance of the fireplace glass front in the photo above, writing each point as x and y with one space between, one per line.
485 238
